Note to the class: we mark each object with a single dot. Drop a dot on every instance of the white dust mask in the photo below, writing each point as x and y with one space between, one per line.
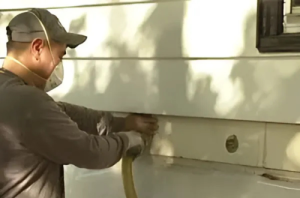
56 78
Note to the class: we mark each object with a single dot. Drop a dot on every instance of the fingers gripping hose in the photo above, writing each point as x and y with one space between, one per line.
104 127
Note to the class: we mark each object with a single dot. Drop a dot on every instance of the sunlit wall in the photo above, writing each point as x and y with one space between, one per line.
184 58
187 60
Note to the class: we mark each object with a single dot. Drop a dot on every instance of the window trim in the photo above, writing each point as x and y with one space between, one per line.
270 36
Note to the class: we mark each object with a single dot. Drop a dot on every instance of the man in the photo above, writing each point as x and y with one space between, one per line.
37 135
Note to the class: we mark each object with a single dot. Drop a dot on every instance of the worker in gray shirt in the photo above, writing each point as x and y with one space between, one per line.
38 135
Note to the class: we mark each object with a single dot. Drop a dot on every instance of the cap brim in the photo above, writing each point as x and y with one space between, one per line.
72 40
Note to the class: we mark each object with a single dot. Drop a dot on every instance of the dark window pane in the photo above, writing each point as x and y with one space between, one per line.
296 2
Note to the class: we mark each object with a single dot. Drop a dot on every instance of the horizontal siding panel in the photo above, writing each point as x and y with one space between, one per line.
24 4
255 90
282 147
169 29
205 139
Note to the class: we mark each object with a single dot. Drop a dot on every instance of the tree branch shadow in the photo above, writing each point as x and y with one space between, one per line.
169 79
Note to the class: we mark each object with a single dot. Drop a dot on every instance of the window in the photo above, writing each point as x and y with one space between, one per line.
278 26
295 3
291 16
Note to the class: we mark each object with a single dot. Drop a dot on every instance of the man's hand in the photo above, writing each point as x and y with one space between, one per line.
145 124
136 142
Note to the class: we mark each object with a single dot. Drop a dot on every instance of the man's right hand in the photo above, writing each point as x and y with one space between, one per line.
142 123
136 142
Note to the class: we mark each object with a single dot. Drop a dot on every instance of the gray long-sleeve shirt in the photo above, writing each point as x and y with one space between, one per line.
38 136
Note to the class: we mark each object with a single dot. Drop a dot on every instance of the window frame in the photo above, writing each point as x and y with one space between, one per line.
270 36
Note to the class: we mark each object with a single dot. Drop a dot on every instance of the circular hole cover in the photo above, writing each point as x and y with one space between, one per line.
232 144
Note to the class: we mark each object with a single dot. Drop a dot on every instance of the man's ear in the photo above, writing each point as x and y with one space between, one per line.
37 47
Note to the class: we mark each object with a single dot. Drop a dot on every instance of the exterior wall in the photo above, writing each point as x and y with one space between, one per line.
160 56
193 61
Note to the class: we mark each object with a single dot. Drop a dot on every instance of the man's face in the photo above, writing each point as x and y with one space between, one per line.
45 61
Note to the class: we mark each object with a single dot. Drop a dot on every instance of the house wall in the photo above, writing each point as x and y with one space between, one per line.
194 64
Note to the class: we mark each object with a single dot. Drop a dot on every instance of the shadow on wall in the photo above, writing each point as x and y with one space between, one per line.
5 18
126 76
244 71
268 85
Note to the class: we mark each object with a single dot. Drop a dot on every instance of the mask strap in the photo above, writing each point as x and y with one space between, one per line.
18 62
45 34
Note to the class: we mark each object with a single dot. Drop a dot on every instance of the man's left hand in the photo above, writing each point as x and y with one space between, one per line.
145 124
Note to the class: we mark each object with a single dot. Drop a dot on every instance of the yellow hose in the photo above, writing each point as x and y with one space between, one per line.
127 177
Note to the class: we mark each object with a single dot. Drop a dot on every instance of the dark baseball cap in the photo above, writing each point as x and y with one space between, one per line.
25 27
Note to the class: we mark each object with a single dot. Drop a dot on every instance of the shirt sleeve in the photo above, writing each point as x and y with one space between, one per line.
50 133
89 120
